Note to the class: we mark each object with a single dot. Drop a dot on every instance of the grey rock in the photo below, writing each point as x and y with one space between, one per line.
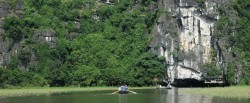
4 9
46 36
183 36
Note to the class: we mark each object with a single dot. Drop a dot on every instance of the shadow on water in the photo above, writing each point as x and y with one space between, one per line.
143 96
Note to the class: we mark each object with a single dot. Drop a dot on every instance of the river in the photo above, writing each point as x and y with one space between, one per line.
142 96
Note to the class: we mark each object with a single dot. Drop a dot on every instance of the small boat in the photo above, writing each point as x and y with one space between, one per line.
123 92
169 86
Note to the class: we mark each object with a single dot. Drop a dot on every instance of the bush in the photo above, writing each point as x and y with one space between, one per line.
230 74
24 56
212 70
86 76
13 28
5 75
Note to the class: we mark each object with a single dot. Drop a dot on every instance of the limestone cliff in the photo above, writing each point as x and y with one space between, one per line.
7 48
4 55
183 35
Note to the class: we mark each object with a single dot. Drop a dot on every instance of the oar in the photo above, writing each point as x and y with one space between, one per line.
132 91
115 92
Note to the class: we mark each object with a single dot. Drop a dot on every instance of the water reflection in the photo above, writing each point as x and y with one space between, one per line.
123 98
173 96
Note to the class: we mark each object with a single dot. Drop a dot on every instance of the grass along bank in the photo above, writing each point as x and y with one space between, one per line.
226 92
51 90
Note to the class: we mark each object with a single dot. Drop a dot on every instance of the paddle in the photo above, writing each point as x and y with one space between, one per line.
132 92
115 92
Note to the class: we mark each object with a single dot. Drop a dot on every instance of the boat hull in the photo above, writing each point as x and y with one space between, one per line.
123 92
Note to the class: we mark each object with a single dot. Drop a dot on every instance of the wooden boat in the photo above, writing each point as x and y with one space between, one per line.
123 92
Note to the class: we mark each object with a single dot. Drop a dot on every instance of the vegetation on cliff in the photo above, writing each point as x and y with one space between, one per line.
96 44
233 26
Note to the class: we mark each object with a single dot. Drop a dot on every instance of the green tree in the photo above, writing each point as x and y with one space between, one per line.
24 56
86 76
146 68
212 70
13 28
37 3
5 75
230 74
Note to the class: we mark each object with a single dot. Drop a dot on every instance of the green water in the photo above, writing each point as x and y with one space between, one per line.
143 96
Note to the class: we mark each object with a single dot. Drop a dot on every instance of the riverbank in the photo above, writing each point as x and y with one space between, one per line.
51 90
225 92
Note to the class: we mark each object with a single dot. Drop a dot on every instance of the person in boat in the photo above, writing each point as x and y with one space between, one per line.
123 89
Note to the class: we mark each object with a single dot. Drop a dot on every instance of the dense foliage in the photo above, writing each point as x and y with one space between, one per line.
242 37
234 23
96 44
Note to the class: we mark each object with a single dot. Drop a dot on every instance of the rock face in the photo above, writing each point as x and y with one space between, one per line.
46 36
4 9
7 49
4 55
19 9
183 35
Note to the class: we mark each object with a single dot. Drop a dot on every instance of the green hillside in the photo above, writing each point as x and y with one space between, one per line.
97 44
